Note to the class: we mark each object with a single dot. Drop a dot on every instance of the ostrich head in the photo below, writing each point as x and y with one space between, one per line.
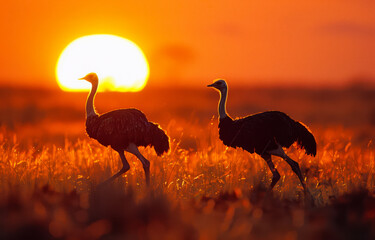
220 85
91 77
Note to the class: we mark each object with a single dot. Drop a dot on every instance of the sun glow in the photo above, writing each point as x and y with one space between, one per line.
119 63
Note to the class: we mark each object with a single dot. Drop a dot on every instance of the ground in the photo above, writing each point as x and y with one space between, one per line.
50 170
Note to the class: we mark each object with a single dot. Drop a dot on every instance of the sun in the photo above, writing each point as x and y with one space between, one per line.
119 63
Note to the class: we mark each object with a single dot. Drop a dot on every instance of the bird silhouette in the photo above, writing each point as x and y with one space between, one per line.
264 133
123 130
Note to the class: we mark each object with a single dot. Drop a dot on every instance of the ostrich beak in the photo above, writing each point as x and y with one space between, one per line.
211 85
82 78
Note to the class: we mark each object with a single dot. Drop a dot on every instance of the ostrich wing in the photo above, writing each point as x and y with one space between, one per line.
258 132
120 127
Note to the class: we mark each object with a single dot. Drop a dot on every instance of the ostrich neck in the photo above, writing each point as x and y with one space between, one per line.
222 103
90 110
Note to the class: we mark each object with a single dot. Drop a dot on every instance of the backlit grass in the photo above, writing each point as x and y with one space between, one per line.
199 190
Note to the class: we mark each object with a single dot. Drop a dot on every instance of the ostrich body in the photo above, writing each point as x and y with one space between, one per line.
265 134
123 130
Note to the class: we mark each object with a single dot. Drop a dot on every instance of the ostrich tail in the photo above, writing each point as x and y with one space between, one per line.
159 139
305 139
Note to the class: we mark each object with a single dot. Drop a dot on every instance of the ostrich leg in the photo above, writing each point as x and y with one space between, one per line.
124 169
295 167
293 164
276 175
132 148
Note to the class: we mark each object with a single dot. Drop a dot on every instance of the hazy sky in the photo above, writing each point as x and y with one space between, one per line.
196 41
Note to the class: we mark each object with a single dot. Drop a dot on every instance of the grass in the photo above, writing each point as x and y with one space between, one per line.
50 171
339 167
212 192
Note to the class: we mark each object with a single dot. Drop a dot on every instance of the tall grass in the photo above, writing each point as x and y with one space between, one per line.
200 190
203 167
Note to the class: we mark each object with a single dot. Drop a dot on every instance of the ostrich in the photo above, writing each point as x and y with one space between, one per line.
265 134
123 130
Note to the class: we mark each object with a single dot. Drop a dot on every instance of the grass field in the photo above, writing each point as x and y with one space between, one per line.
50 170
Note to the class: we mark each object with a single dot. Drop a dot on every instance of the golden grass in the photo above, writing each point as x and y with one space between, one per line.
339 167
200 189
207 192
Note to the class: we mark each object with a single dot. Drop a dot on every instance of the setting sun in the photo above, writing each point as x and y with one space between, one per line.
119 63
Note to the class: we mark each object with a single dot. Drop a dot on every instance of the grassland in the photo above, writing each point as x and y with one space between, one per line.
49 169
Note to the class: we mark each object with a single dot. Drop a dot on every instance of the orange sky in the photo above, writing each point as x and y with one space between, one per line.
194 42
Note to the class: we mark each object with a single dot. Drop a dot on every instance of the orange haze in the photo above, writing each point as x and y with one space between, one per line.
194 42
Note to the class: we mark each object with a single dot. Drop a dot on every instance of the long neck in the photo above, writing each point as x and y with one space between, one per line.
90 110
222 103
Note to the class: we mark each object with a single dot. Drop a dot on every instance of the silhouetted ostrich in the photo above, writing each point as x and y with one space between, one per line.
123 130
265 134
